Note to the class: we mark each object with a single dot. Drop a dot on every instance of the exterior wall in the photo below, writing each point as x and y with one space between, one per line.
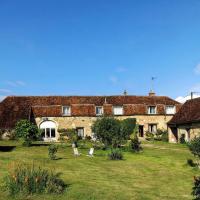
86 122
190 132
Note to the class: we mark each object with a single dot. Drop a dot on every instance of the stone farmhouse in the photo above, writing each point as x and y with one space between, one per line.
51 113
186 122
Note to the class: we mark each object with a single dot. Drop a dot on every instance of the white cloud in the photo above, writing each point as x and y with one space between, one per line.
15 83
2 98
184 99
121 69
5 90
195 88
197 69
20 83
113 79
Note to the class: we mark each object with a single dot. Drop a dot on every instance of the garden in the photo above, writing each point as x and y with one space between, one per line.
118 170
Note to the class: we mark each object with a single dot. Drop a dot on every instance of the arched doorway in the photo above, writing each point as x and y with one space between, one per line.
48 130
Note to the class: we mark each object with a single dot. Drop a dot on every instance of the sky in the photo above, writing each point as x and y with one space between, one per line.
99 47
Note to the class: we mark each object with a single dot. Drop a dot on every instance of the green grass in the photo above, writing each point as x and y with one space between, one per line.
159 172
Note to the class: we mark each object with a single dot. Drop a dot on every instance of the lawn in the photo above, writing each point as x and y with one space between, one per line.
159 172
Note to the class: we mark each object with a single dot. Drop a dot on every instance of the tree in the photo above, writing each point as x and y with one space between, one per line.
26 131
113 132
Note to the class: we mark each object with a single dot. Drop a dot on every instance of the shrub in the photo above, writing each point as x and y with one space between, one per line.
1 134
161 135
26 131
191 163
70 134
194 147
149 136
115 154
28 180
52 151
135 145
11 134
113 132
182 139
196 188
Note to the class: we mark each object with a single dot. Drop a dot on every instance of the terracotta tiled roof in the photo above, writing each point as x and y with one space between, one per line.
189 112
15 108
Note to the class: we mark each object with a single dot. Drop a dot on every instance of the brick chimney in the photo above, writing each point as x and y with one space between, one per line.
152 93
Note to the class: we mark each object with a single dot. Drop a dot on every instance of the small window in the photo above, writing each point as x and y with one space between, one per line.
66 110
118 110
170 110
99 110
152 110
152 128
80 132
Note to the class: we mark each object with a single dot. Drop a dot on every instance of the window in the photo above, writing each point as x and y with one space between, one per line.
66 110
48 129
118 110
170 110
152 128
152 110
99 110
80 132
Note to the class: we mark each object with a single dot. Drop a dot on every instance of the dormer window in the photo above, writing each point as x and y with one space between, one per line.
118 110
66 110
152 110
99 110
170 110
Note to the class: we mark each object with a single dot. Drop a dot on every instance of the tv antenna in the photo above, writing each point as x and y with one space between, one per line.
152 82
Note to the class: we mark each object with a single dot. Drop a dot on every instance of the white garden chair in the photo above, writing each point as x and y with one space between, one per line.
91 152
76 153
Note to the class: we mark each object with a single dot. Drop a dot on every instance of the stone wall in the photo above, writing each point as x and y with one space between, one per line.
86 122
190 132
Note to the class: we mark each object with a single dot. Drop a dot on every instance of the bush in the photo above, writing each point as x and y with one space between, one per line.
115 154
113 132
135 145
196 188
182 139
70 134
28 180
149 136
194 147
1 134
191 163
26 131
52 151
161 135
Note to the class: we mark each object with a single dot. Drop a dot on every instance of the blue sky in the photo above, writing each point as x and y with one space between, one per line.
99 47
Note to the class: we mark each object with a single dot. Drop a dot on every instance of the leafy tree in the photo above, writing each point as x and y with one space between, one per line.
113 132
128 127
26 131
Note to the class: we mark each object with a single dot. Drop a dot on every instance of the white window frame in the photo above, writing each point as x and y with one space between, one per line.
152 113
170 106
96 110
66 114
114 107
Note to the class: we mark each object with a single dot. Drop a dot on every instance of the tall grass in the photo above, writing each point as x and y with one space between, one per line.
28 179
